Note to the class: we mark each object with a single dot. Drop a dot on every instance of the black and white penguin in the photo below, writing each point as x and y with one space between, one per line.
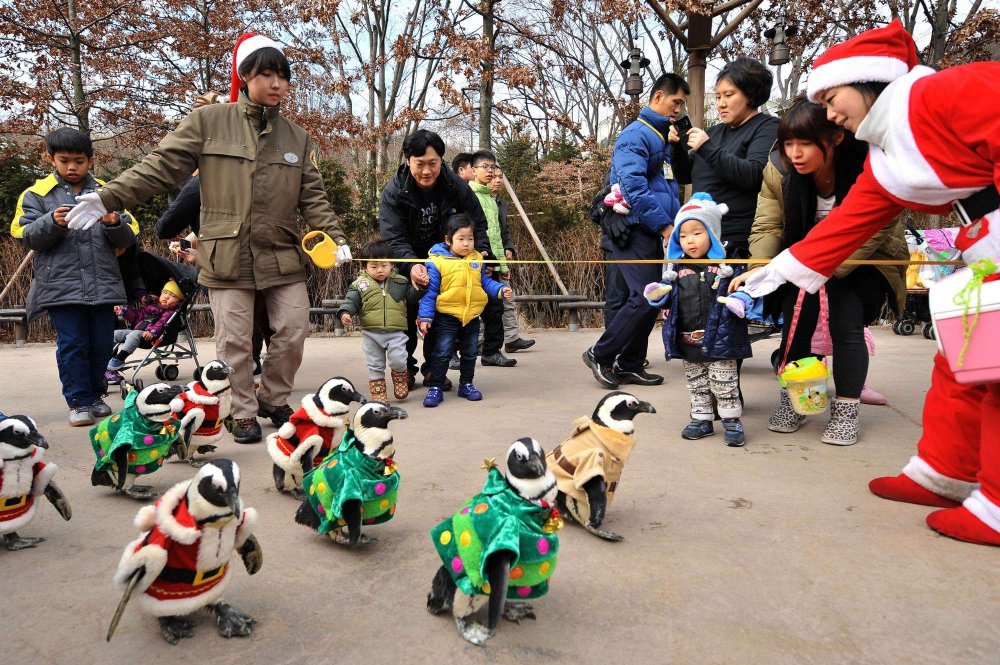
24 478
588 465
182 561
207 409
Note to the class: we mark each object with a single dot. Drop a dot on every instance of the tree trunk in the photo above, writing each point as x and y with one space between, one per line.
486 83
80 107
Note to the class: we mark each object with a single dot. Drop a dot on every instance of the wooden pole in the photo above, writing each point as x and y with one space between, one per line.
24 263
534 236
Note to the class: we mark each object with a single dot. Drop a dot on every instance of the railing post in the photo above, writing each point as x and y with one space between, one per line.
338 326
574 314
20 333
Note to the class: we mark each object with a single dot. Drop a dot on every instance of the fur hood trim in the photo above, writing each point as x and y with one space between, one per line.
165 507
319 416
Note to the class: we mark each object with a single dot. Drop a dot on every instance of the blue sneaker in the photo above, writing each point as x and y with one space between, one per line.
469 392
733 432
698 429
434 397
115 363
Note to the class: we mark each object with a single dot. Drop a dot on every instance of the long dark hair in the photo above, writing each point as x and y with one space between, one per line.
806 121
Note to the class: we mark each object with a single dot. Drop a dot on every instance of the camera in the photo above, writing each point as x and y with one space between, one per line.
185 244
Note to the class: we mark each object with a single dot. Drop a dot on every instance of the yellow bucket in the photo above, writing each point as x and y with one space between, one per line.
324 252
805 381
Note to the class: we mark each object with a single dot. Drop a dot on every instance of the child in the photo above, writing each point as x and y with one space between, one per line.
456 295
380 295
148 321
77 280
708 335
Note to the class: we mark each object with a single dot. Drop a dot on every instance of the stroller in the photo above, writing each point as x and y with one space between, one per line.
168 350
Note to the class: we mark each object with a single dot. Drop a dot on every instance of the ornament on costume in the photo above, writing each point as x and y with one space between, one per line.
207 407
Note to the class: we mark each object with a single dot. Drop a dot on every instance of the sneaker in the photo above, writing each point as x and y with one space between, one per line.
434 397
116 363
80 416
518 344
639 377
733 432
447 382
604 375
100 409
247 430
498 360
113 377
279 415
698 429
454 363
469 392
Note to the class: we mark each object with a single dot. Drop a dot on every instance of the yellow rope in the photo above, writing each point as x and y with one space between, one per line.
849 262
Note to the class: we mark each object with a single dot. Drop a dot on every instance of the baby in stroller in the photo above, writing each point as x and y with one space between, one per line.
148 321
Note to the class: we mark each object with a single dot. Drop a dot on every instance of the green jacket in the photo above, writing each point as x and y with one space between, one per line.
149 442
258 172
382 306
492 211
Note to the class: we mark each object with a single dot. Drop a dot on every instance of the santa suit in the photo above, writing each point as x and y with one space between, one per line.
309 431
23 480
933 141
209 410
187 566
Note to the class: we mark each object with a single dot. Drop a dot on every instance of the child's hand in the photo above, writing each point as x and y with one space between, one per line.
119 309
507 294
59 216
345 318
423 327
656 293
110 219
146 335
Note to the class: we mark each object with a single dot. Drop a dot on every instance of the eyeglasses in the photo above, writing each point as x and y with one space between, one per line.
488 167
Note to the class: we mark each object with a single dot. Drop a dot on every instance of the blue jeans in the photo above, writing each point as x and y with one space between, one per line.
451 334
85 338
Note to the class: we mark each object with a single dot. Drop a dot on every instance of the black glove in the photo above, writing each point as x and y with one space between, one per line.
616 227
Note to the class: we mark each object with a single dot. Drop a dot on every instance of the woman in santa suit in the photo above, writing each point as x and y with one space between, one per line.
934 142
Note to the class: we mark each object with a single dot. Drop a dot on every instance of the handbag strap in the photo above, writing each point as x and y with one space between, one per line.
791 328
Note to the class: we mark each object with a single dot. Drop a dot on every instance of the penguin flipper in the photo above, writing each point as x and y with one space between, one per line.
352 518
121 466
498 573
58 500
252 555
442 594
598 499
307 516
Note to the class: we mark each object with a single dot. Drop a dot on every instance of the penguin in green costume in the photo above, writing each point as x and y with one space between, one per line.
136 440
500 545
357 482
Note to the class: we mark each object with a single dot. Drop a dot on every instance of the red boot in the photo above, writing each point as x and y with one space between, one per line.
902 488
960 524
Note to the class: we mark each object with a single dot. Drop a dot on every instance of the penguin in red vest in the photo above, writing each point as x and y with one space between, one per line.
207 407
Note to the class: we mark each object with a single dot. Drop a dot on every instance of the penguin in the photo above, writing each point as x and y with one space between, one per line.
514 518
308 436
24 478
136 440
182 561
588 465
357 483
207 407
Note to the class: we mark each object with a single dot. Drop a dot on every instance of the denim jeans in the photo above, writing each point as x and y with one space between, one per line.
451 334
85 338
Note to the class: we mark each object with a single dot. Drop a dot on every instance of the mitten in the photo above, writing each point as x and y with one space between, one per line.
656 293
738 303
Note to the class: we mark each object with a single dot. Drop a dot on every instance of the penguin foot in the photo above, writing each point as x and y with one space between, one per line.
473 632
231 622
298 494
140 492
604 533
196 463
14 542
517 612
174 629
341 537
206 449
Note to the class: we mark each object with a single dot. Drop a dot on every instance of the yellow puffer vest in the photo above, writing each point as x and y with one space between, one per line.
461 293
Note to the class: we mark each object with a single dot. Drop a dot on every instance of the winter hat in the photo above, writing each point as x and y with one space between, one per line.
702 208
172 287
880 55
245 45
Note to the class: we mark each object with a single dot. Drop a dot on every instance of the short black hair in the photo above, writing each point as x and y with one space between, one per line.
870 90
669 84
460 160
416 143
481 156
751 77
455 223
263 60
376 249
66 139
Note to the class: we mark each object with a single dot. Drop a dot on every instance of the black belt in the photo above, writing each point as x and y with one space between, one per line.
185 576
977 205
14 502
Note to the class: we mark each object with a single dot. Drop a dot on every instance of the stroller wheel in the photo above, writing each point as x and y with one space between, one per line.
170 372
929 331
159 372
895 328
907 328
123 389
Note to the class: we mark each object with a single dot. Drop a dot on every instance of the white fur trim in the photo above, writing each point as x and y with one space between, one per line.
192 396
145 519
195 415
987 511
309 446
153 557
855 69
318 416
286 431
796 272
277 456
43 478
184 535
251 44
245 530
181 606
924 475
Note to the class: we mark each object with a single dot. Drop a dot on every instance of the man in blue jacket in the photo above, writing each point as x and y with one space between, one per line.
640 166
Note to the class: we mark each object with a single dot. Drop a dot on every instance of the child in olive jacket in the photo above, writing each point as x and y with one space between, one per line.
379 295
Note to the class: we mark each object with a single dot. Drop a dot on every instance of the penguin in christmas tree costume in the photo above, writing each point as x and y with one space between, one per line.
308 436
588 465
136 440
183 560
24 478
207 406
357 483
500 545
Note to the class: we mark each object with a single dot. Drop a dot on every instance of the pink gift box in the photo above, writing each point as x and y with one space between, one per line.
981 363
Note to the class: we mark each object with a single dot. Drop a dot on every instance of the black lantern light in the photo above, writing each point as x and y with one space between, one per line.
634 65
780 53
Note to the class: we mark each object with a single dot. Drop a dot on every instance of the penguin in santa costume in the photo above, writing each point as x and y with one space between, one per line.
358 482
501 545
136 440
309 435
24 478
183 560
933 147
207 406
588 465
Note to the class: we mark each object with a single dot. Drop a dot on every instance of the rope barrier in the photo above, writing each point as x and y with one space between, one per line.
849 262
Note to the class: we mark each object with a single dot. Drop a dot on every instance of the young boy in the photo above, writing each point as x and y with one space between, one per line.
77 280
708 335
148 321
380 296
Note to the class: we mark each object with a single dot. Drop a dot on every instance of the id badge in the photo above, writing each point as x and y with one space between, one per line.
668 171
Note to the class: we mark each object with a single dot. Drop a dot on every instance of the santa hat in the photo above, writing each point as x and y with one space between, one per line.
880 55
245 45
702 208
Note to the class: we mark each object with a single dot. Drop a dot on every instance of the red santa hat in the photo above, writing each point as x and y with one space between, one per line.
880 55
245 45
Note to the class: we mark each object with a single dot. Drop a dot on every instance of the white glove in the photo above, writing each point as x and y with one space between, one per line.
343 254
763 281
88 211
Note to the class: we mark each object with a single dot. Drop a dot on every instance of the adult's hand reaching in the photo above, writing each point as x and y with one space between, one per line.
89 210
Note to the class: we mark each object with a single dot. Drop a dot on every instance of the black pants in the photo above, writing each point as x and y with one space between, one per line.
492 317
847 330
615 290
430 339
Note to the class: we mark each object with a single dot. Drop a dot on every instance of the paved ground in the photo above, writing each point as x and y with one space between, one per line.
775 553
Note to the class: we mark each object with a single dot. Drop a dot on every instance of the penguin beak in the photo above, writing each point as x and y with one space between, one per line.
233 500
644 407
174 391
359 398
537 464
226 369
37 439
397 413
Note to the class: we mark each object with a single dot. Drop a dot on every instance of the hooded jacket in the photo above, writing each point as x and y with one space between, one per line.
459 285
382 306
640 165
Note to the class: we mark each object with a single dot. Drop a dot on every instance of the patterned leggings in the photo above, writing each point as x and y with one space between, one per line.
720 378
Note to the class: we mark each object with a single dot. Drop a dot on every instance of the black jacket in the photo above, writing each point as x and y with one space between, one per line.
402 222
184 212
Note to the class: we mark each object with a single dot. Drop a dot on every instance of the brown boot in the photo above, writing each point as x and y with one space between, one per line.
377 389
400 384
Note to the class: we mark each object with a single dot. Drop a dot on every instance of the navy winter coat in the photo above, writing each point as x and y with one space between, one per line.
637 166
726 335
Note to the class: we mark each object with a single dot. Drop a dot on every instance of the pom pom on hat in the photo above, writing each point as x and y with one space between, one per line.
245 45
881 56
702 207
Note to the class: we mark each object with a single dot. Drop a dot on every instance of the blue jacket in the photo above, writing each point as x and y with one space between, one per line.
637 165
726 335
458 286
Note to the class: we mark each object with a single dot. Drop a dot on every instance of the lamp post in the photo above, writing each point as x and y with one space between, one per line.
780 53
634 65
